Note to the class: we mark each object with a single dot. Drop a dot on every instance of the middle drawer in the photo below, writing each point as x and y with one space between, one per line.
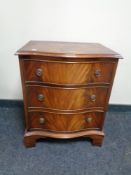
66 98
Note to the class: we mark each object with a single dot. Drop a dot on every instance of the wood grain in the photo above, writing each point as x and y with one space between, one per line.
66 89
65 122
66 98
67 49
52 72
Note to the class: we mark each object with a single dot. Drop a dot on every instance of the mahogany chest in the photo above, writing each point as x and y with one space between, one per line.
66 89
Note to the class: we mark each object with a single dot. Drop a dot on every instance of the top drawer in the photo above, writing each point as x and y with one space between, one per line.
68 73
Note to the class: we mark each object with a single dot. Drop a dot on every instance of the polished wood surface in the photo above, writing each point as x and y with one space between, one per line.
31 137
65 122
67 49
66 89
66 98
53 72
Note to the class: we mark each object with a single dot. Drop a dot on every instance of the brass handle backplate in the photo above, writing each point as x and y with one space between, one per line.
42 120
98 73
39 72
93 97
40 97
89 119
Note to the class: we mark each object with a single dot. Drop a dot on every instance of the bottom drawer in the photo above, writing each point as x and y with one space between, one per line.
65 122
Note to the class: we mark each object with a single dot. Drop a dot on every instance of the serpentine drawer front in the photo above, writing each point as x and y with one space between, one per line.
66 89
51 72
65 122
55 98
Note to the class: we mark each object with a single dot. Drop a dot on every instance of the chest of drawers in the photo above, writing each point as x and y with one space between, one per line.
66 89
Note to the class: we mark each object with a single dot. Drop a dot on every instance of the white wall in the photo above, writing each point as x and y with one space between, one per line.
104 21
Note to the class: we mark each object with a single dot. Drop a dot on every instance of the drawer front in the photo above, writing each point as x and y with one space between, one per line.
65 122
68 73
66 99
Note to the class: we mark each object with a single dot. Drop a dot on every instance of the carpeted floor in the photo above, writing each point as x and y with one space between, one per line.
69 157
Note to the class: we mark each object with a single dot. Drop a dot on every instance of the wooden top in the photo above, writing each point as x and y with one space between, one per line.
67 49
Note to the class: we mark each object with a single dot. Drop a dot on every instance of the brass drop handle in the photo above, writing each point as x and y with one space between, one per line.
89 119
93 98
98 73
40 97
42 120
39 72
